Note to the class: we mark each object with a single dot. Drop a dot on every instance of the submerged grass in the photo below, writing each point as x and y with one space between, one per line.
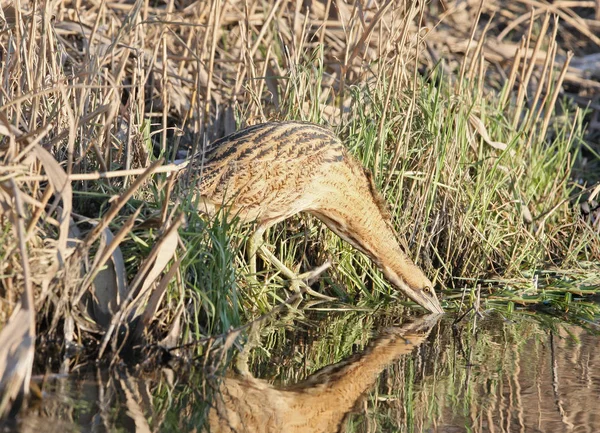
484 165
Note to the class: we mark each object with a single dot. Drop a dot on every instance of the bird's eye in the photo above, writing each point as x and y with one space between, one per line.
426 289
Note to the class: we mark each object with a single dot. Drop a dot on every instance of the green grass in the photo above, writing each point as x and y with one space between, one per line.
458 202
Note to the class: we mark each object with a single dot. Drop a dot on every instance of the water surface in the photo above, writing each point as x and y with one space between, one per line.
354 372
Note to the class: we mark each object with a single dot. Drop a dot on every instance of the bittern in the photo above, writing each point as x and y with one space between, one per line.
269 172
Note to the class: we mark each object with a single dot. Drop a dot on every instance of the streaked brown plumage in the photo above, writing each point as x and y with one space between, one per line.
269 172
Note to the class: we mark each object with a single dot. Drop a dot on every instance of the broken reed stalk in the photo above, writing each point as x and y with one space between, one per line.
528 68
28 302
555 93
169 168
463 66
545 73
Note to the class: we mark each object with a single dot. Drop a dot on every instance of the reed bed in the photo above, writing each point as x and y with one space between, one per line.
483 139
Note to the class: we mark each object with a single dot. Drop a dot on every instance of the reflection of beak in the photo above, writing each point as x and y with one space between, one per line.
422 323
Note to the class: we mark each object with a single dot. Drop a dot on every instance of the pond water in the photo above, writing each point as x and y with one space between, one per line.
354 372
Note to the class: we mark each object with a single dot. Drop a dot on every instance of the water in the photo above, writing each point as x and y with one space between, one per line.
521 373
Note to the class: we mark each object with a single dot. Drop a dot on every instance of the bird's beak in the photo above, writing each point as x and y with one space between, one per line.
430 303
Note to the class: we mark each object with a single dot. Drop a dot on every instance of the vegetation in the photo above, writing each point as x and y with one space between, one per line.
484 159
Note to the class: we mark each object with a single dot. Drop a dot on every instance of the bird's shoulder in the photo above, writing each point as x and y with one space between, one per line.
272 142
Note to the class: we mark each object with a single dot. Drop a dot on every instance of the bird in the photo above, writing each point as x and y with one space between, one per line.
268 172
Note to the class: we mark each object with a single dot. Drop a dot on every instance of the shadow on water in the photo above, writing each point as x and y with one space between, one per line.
354 373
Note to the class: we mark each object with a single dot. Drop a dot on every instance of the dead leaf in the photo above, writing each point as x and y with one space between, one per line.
166 250
159 257
480 128
174 334
60 182
109 287
154 301
16 358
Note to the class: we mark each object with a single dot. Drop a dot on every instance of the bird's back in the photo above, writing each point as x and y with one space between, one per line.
263 172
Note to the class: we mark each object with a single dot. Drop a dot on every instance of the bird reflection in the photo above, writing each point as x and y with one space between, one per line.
320 403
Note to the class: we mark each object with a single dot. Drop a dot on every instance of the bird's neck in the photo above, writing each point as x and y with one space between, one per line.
370 232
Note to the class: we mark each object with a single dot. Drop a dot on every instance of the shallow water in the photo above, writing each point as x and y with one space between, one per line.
525 373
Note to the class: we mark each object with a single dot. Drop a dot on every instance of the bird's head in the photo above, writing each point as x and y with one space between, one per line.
413 283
